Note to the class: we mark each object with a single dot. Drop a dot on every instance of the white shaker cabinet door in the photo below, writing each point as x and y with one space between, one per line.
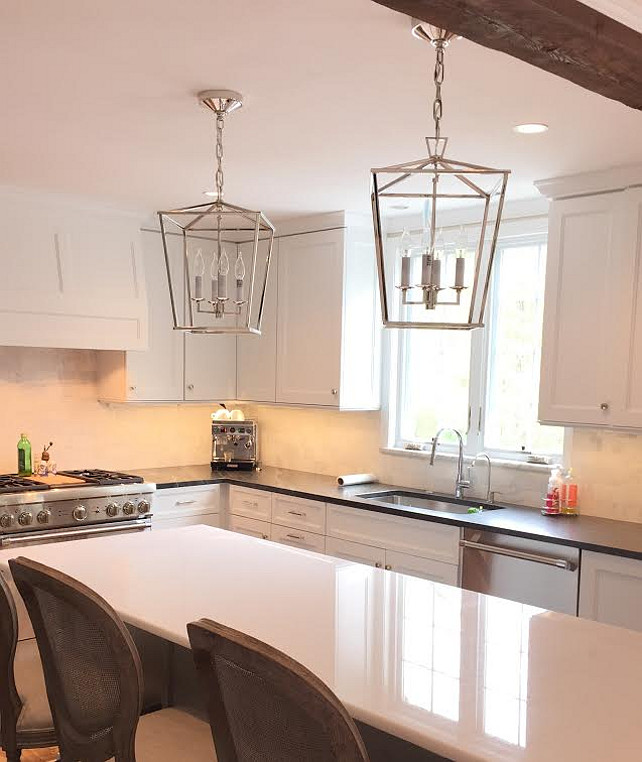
356 551
256 355
157 373
579 316
611 590
210 359
436 571
310 308
627 340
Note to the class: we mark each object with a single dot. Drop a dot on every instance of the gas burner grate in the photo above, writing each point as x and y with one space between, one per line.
11 483
99 476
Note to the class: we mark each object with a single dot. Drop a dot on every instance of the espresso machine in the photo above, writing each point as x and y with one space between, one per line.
234 445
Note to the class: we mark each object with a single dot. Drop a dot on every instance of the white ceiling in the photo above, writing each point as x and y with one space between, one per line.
97 99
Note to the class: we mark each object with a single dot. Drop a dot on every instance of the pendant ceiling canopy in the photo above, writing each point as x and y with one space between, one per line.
436 274
217 254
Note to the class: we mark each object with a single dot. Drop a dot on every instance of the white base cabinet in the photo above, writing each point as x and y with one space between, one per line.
409 546
611 590
186 506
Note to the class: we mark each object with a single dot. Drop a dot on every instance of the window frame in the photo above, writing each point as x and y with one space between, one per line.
515 232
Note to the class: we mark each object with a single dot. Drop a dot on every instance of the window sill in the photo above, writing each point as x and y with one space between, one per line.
518 465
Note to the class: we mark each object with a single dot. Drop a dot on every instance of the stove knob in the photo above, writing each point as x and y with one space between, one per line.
112 510
128 508
43 517
143 506
80 513
6 520
24 519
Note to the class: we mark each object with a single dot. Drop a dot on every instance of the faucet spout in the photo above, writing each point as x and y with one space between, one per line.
460 483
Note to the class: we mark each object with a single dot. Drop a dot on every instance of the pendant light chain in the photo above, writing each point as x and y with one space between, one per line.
220 123
437 106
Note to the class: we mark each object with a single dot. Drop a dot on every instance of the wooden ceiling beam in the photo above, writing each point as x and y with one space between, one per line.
564 37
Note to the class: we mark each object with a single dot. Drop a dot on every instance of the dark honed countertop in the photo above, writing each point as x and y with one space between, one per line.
623 538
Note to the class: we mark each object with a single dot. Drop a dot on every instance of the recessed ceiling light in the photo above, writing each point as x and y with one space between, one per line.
532 128
400 206
210 193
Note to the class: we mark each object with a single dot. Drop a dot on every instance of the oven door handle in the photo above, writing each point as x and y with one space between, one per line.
560 563
28 537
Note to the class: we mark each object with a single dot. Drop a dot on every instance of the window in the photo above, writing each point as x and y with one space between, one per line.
485 383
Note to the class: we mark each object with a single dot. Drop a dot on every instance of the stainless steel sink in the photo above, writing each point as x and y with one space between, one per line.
402 499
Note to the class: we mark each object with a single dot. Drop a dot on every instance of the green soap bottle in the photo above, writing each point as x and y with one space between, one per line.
24 456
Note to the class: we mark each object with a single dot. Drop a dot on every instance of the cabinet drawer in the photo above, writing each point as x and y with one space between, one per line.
253 503
413 536
298 538
186 501
355 551
299 513
252 527
208 519
437 571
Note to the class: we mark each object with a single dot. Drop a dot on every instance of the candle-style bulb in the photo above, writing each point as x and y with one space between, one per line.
461 247
239 268
223 263
406 242
440 243
199 270
214 267
223 270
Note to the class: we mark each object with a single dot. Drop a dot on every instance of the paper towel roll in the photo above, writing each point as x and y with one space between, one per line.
348 479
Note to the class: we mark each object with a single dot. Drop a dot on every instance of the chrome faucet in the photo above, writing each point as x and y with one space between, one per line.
490 497
460 483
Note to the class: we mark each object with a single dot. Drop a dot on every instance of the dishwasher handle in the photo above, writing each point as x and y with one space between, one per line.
560 563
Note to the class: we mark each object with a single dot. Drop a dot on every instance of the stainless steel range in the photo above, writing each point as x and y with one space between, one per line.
72 505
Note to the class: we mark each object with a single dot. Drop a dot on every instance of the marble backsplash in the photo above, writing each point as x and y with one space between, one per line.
52 396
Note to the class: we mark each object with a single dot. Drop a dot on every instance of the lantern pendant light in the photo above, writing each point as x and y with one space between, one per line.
204 242
434 278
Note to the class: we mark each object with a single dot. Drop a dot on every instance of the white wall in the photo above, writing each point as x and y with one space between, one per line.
51 394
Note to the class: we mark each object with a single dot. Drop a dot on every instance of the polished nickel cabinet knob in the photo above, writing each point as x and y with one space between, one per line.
378 565
604 406
25 519
80 513
388 567
334 392
128 508
143 506
6 520
43 516
190 387
112 510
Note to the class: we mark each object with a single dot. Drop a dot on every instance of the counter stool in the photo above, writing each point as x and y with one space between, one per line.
25 719
263 705
94 678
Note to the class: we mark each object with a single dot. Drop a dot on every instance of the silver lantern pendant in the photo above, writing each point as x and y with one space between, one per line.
217 254
438 276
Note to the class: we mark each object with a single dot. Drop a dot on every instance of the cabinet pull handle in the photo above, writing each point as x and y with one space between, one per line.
604 406
388 567
295 537
185 502
296 513
378 565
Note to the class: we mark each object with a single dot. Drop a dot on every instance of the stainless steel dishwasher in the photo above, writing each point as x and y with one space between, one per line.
528 571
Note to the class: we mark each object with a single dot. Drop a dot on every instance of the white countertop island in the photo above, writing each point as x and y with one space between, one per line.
463 675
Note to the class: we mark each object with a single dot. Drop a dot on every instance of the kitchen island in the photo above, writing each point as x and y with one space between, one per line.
463 675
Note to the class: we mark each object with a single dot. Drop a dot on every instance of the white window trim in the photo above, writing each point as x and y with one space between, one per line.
513 230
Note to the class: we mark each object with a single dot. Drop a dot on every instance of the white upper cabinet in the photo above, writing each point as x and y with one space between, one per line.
308 361
256 355
72 275
591 371
176 366
327 322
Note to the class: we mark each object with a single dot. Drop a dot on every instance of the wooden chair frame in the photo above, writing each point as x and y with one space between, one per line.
287 676
31 576
12 740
